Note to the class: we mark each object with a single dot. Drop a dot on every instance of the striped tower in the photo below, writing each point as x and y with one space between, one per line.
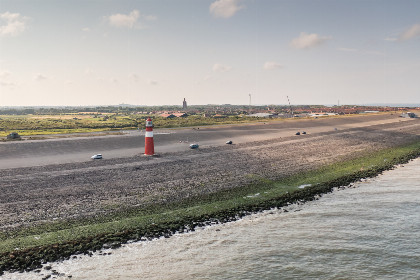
149 147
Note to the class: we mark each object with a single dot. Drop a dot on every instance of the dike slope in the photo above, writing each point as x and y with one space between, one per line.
38 196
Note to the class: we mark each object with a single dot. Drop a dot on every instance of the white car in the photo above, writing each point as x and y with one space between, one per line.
98 156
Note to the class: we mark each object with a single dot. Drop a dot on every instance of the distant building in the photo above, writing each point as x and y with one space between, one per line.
370 111
184 104
173 115
314 115
167 116
180 115
262 115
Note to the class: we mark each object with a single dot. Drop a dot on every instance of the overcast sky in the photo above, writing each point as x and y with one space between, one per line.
154 52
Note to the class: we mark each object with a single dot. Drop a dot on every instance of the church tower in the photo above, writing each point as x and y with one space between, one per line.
184 105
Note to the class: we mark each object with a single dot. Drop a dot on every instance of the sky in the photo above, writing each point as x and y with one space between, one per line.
158 52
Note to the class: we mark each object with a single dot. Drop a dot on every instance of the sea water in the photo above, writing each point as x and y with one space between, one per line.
370 230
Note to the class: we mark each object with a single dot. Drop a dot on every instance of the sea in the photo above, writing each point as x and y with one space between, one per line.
368 230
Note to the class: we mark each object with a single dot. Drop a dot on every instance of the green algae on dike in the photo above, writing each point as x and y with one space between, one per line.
37 246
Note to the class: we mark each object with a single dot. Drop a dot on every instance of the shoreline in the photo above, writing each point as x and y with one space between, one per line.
33 258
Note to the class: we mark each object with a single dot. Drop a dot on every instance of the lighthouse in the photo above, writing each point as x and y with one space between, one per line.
149 147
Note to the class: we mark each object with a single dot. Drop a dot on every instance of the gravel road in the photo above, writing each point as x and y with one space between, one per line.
45 192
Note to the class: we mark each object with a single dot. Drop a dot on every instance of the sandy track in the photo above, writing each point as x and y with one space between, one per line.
42 193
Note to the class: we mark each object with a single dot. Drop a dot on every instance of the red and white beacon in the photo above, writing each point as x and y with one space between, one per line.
149 147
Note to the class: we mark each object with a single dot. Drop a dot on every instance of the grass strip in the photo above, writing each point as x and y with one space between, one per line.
46 132
29 249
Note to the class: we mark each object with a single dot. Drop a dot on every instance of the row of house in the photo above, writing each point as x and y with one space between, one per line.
270 112
173 115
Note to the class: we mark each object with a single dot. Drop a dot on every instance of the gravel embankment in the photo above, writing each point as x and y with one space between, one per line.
35 194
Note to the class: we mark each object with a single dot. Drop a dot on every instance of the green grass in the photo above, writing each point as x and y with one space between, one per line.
31 125
47 132
330 172
58 232
202 121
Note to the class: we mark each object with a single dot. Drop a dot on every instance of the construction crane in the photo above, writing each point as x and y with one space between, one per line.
249 108
291 110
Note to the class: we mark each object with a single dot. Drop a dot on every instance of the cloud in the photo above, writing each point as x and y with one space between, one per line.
306 41
114 80
89 72
391 39
39 77
86 29
150 17
5 79
225 8
271 65
134 77
5 74
221 68
121 20
153 83
363 52
12 24
410 33
130 20
7 84
347 50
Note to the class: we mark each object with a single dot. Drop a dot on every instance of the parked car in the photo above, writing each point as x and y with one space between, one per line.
297 133
194 146
229 142
97 156
304 132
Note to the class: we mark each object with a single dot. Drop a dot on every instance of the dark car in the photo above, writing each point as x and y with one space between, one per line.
229 142
194 146
297 133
